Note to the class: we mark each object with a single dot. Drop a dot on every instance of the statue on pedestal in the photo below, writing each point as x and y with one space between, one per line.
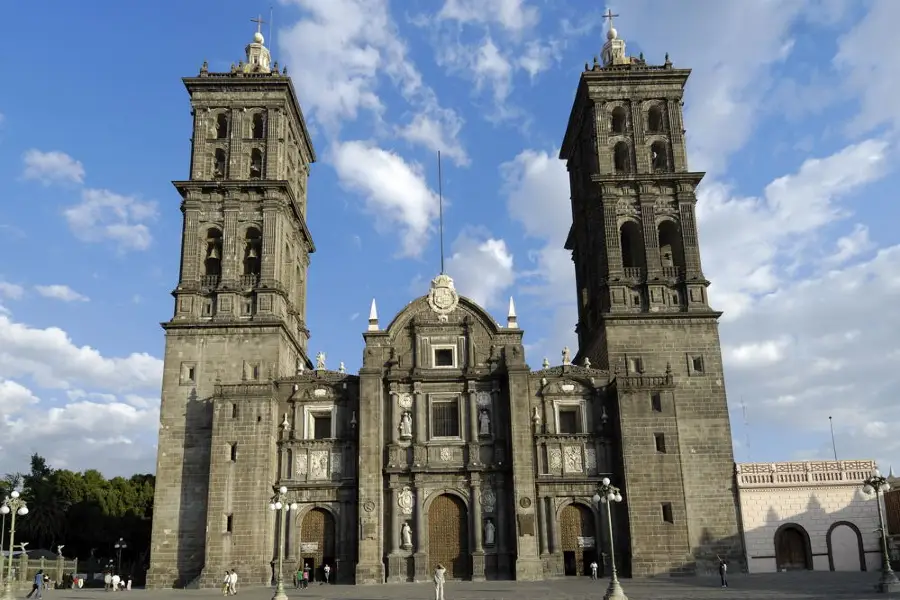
489 532
484 423
406 535
406 425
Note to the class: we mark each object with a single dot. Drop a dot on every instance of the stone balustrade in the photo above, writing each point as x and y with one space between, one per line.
798 473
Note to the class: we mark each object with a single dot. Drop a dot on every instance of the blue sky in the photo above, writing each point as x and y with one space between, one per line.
790 111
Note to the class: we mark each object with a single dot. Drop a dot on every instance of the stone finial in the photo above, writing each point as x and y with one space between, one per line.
546 363
285 424
320 361
668 63
373 317
566 356
353 420
204 68
341 367
891 472
586 362
511 319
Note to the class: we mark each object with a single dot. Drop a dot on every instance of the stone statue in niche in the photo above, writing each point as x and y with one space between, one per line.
406 535
536 416
406 426
490 532
484 423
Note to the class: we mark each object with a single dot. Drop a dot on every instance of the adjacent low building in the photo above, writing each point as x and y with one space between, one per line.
808 515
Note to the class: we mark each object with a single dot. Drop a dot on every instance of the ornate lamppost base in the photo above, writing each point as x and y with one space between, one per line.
889 583
8 591
280 594
615 591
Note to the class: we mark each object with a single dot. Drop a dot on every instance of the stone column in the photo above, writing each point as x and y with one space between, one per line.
477 527
599 544
473 413
190 267
500 512
542 524
396 521
395 416
420 558
270 227
232 246
551 526
420 410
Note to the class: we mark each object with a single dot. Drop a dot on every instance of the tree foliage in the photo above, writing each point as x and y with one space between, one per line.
87 513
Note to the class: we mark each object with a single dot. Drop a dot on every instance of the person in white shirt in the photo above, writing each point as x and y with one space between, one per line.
439 573
327 571
594 567
115 582
232 583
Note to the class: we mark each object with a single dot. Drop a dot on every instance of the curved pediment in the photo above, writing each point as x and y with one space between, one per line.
566 387
443 305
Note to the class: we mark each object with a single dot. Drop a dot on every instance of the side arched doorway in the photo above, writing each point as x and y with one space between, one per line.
317 542
576 532
845 548
792 548
448 536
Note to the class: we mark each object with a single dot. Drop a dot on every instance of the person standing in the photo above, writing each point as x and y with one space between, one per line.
226 583
327 571
723 571
439 573
232 583
37 585
594 567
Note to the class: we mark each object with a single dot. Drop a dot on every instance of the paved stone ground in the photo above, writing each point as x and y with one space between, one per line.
775 586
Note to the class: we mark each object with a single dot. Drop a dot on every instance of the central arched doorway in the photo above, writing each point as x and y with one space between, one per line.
792 548
576 532
448 536
317 542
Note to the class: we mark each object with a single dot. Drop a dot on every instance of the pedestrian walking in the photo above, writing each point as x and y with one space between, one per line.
327 571
594 567
37 585
723 571
232 583
439 573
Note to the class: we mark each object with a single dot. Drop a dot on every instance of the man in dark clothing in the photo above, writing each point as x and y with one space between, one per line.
37 586
723 571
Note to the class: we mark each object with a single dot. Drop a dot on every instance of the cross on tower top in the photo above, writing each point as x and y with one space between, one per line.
259 21
609 15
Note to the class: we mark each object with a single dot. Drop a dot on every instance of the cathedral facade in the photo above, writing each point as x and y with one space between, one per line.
446 447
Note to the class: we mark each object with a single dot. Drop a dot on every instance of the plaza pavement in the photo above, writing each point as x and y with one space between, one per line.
773 586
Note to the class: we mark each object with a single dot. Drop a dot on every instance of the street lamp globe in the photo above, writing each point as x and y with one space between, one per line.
294 506
271 506
618 497
4 510
278 505
23 511
14 494
868 490
283 489
605 481
597 499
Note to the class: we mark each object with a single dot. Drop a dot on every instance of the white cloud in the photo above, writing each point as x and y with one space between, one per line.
115 436
52 360
60 292
52 167
851 245
13 291
344 51
481 266
395 191
512 15
104 215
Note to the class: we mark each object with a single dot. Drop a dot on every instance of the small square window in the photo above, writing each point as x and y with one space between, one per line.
246 307
569 420
232 450
667 515
188 373
229 523
656 401
695 364
660 439
321 426
444 358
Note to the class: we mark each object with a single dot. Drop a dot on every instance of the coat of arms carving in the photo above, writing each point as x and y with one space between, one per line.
442 298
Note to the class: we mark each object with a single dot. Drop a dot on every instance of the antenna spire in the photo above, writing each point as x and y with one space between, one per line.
441 208
746 430
833 445
271 15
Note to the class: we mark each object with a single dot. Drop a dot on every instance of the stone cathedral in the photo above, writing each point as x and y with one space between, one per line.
446 447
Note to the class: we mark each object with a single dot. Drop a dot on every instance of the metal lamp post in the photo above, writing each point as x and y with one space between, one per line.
3 539
279 503
606 494
119 546
878 484
14 505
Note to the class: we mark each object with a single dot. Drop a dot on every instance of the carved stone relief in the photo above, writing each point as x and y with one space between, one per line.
302 463
337 466
554 458
446 454
318 464
573 459
488 500
483 399
405 401
405 501
626 208
590 460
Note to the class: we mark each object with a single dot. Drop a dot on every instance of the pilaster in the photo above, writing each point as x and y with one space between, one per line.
477 530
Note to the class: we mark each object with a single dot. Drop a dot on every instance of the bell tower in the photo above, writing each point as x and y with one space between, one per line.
239 316
643 311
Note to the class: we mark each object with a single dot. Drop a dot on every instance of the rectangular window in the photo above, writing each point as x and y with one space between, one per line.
696 364
234 411
656 401
445 418
321 426
667 515
229 523
444 357
232 450
660 439
635 365
569 421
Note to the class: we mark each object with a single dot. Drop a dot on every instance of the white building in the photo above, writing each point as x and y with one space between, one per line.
808 515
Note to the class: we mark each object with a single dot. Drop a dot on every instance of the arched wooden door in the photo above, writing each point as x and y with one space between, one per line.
448 536
317 541
791 549
576 530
